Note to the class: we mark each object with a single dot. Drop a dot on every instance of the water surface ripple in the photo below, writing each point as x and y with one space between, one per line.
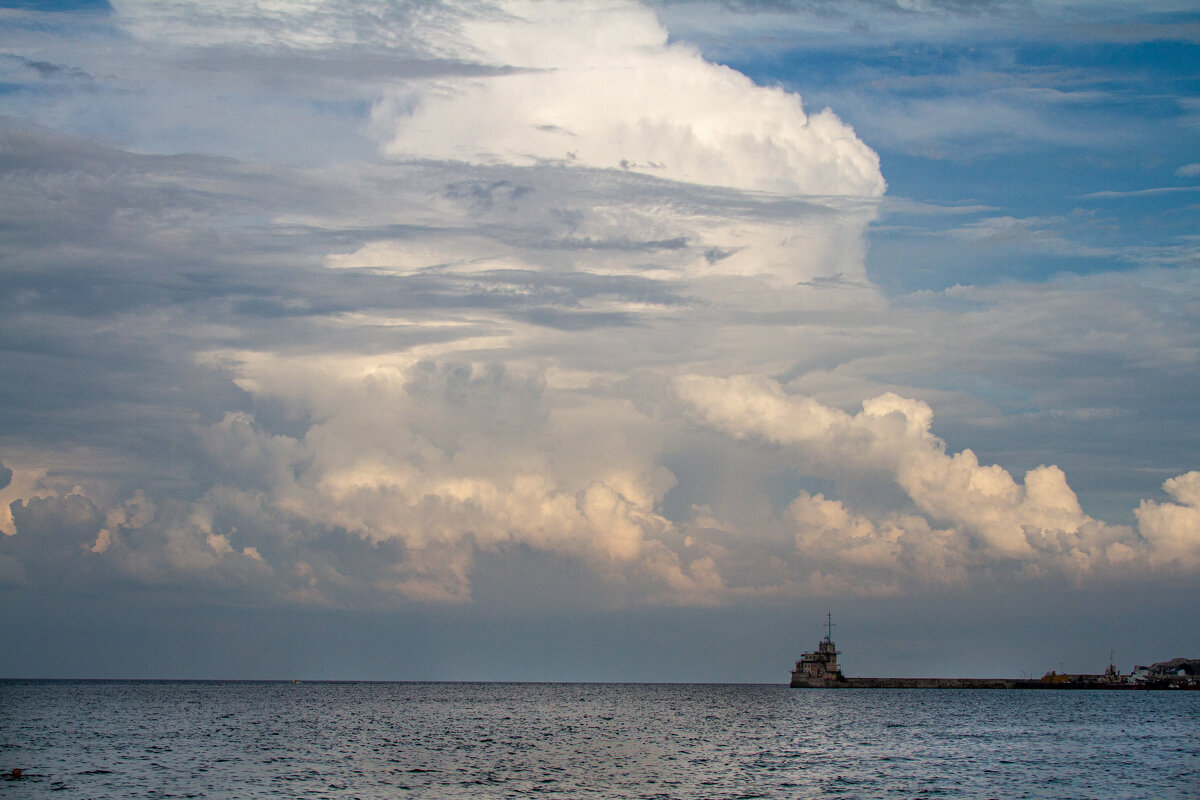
145 739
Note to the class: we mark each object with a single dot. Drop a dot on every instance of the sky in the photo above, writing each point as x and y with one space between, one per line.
597 341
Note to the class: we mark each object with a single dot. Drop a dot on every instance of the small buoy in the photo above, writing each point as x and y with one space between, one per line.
16 773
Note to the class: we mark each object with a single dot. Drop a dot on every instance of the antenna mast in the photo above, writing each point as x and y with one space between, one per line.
828 626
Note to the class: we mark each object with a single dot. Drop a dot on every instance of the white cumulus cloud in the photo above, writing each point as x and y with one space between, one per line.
967 512
597 84
1173 529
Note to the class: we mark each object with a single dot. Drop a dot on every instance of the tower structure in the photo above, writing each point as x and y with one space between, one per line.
819 668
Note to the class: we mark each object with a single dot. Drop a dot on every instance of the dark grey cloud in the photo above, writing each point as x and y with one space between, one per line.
579 320
484 195
46 69
835 7
113 288
783 24
60 6
51 546
289 71
137 231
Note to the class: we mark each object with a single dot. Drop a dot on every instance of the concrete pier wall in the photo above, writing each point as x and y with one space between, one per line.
956 683
930 683
909 683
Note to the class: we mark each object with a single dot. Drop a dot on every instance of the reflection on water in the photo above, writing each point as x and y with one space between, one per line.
374 740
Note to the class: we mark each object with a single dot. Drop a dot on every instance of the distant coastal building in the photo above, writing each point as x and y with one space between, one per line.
819 668
1176 668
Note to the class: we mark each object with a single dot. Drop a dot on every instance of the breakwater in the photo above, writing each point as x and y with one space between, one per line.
819 670
962 683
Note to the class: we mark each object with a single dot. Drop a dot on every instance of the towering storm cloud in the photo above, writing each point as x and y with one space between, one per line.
598 85
343 305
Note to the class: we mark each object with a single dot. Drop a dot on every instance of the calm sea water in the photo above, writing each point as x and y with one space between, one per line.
395 740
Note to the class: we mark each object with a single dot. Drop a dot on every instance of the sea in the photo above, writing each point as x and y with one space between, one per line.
175 739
